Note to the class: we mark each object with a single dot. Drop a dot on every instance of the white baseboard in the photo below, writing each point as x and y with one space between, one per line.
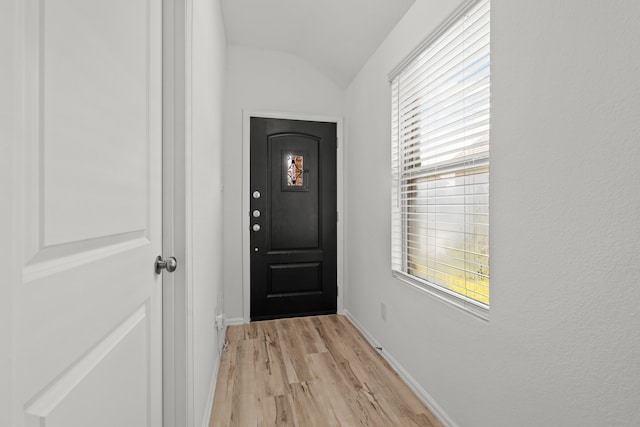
405 376
234 321
214 381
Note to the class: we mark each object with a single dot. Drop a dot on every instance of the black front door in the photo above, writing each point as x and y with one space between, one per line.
293 218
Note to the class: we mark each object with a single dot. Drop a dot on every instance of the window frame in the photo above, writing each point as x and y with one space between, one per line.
440 292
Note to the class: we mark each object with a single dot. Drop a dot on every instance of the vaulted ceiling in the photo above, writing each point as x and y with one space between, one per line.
336 36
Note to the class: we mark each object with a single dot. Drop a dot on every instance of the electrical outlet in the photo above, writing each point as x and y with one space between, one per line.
220 321
383 311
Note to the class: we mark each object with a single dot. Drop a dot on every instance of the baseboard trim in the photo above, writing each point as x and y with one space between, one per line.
214 382
234 321
405 376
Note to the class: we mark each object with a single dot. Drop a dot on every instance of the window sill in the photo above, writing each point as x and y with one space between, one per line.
460 302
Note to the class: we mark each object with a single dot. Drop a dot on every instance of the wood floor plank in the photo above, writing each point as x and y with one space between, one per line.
336 398
310 333
284 412
353 379
289 367
307 372
304 402
266 411
270 368
384 379
243 411
226 377
294 345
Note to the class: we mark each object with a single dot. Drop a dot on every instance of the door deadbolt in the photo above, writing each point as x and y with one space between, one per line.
170 264
256 227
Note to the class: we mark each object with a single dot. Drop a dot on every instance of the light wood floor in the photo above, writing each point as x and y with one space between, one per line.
309 371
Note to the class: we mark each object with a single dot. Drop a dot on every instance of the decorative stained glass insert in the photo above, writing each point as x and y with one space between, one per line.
294 165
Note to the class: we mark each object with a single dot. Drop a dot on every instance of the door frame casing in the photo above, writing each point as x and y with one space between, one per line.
177 334
246 192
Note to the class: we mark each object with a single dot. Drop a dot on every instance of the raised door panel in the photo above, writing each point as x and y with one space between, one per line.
293 207
80 396
94 119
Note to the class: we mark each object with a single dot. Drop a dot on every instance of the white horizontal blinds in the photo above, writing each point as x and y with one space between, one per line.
440 156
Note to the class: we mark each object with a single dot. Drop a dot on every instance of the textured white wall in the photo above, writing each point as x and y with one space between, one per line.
8 278
208 76
562 346
10 81
270 81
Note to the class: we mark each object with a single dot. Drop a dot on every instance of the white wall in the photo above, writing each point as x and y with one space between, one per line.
562 344
269 81
8 126
208 75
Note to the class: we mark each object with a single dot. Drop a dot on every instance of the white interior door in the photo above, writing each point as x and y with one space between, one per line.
87 308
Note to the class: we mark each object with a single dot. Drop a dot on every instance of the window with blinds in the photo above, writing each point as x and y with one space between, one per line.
440 160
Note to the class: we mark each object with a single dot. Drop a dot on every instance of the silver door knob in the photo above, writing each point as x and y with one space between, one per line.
256 227
255 213
170 265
